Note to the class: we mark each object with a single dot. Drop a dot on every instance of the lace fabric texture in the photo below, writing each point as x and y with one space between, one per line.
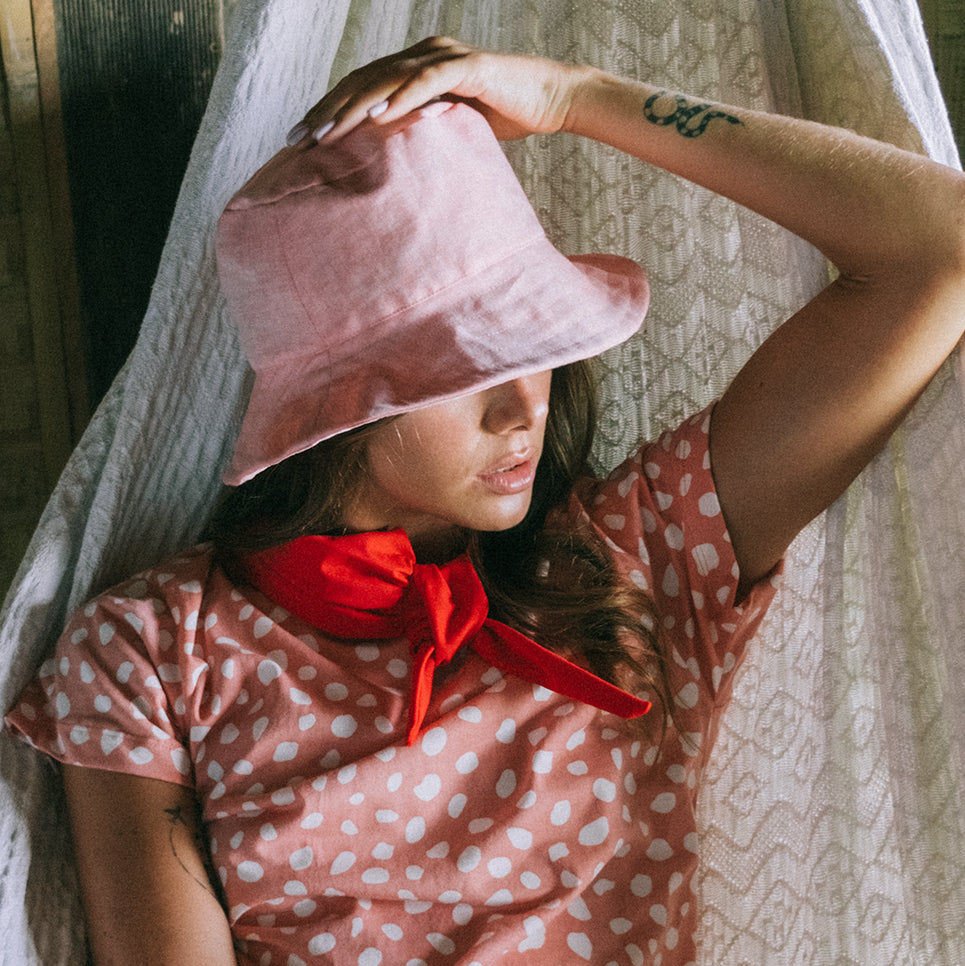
832 826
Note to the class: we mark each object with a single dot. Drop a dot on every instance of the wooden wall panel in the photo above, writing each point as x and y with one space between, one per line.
99 105
43 404
135 77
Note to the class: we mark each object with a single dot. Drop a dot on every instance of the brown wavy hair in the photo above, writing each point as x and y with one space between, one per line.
555 585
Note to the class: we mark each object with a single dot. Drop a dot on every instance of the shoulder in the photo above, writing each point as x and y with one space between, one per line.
170 587
150 621
186 571
115 691
659 516
662 497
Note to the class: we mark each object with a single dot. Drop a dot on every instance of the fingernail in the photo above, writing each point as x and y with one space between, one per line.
380 108
319 133
435 108
296 133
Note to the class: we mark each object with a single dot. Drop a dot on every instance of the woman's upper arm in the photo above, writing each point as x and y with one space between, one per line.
820 397
146 890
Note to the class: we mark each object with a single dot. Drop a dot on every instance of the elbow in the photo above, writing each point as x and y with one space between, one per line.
928 248
944 247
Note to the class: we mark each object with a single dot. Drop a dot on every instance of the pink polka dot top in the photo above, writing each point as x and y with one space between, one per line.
520 822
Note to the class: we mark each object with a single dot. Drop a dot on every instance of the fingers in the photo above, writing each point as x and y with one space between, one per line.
517 95
386 89
387 98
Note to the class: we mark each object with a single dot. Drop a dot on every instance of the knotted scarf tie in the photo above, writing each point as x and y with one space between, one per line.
368 586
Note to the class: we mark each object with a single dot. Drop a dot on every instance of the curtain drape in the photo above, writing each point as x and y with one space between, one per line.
832 826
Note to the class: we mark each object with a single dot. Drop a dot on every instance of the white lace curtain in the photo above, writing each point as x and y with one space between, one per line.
832 822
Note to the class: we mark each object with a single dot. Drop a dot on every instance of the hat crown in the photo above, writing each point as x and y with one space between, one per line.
356 248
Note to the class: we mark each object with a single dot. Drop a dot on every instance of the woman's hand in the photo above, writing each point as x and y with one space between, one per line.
517 95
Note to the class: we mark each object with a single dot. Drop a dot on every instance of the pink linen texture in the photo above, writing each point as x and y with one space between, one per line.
521 827
410 255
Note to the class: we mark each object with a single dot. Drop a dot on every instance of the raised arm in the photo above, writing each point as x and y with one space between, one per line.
825 391
822 395
146 892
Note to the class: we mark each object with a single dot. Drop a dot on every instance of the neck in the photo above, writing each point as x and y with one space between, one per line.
434 540
436 546
439 546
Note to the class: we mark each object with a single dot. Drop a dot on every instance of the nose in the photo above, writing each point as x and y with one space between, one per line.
520 404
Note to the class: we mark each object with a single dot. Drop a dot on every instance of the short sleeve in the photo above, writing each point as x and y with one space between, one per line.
115 693
659 515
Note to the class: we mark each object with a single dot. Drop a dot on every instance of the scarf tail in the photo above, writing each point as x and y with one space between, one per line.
511 651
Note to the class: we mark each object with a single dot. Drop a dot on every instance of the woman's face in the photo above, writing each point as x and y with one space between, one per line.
465 464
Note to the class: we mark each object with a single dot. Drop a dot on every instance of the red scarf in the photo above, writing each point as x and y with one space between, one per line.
368 586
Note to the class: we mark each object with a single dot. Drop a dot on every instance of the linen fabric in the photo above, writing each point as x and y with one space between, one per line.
509 827
397 268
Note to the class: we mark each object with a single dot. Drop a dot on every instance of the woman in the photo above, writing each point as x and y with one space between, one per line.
477 817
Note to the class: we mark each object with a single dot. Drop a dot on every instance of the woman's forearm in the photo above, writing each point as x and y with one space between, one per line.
821 396
866 205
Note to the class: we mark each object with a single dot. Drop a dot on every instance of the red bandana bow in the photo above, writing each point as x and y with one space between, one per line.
368 586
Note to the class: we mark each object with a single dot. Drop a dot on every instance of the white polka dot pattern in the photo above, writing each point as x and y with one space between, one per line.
520 821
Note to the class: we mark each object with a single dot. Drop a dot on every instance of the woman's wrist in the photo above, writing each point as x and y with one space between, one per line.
595 95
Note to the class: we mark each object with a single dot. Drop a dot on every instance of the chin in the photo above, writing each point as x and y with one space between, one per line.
489 517
502 521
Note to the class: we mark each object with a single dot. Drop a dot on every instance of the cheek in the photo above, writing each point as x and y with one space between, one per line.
420 464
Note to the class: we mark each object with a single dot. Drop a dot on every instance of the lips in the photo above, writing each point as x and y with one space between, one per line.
513 474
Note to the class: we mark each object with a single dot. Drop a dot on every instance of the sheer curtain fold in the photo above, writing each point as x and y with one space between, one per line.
832 822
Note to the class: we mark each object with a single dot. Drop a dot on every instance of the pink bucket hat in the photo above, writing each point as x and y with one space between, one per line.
397 268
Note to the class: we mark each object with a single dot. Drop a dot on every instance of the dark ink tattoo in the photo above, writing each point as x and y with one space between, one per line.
176 818
175 815
691 120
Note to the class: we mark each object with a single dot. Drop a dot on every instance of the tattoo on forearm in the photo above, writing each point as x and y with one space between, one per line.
691 120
